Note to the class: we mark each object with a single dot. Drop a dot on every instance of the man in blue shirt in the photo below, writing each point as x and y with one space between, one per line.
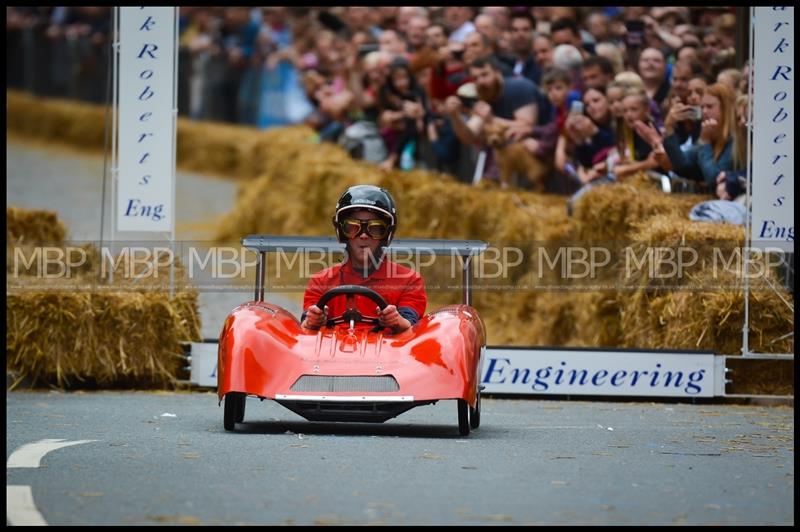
511 101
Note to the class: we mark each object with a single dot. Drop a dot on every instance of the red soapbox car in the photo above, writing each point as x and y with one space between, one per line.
344 372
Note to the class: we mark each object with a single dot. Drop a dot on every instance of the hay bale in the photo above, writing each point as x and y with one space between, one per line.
33 226
64 327
704 307
608 213
59 338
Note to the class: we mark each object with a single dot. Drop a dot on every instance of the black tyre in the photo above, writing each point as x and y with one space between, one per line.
475 414
240 412
234 409
463 417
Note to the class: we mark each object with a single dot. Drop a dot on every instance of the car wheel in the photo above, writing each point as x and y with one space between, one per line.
234 407
475 414
463 417
240 412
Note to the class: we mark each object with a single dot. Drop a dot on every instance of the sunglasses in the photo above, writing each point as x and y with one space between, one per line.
352 227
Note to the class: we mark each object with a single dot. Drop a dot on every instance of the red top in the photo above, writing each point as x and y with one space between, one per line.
399 285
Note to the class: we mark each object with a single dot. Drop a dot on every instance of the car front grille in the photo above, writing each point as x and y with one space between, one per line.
345 383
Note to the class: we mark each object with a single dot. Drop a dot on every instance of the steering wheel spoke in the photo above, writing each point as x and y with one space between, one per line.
351 313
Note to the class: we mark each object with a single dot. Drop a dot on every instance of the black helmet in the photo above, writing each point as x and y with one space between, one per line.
371 198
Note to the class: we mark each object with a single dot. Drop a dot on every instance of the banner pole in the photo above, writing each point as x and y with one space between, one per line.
114 136
747 236
174 150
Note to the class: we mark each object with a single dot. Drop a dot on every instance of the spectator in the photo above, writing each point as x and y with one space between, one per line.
390 42
680 116
567 57
543 51
478 45
511 101
714 151
652 68
636 154
732 184
731 77
404 114
590 140
436 35
359 18
449 72
615 93
556 84
485 25
566 31
660 37
613 54
697 89
596 73
404 16
458 22
522 47
416 33
598 25
501 16
744 83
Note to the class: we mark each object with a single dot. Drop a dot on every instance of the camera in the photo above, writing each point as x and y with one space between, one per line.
468 94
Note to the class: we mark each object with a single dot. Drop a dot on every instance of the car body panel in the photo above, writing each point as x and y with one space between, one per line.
263 351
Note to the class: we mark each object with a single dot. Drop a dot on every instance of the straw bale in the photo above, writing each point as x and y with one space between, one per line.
553 321
607 213
59 338
64 327
597 319
692 319
33 226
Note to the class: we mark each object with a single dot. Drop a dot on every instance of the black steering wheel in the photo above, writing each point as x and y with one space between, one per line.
351 313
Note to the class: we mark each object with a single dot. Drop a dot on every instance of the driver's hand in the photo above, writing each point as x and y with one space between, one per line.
315 318
390 317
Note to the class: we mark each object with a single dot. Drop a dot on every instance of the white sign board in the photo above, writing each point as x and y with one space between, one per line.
772 187
146 121
544 371
204 364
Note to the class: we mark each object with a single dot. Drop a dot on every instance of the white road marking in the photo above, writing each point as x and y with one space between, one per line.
20 509
31 454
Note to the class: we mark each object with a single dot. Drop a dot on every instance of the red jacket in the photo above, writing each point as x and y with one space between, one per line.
399 285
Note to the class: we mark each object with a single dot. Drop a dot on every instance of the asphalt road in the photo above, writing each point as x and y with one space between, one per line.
164 458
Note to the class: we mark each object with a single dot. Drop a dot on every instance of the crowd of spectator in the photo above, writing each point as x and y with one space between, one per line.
593 95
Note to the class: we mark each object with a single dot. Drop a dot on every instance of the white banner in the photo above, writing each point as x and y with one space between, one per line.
772 188
146 123
204 363
544 371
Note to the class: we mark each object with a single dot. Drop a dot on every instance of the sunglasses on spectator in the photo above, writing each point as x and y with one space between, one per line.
353 227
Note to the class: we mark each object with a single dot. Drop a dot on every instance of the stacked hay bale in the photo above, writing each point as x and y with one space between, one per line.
294 185
78 327
704 307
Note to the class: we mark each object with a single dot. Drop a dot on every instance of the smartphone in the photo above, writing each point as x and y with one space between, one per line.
697 112
576 108
635 35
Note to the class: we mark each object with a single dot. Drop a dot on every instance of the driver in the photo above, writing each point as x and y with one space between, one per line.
366 219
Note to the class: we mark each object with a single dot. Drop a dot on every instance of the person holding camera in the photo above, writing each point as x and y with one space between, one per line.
714 151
